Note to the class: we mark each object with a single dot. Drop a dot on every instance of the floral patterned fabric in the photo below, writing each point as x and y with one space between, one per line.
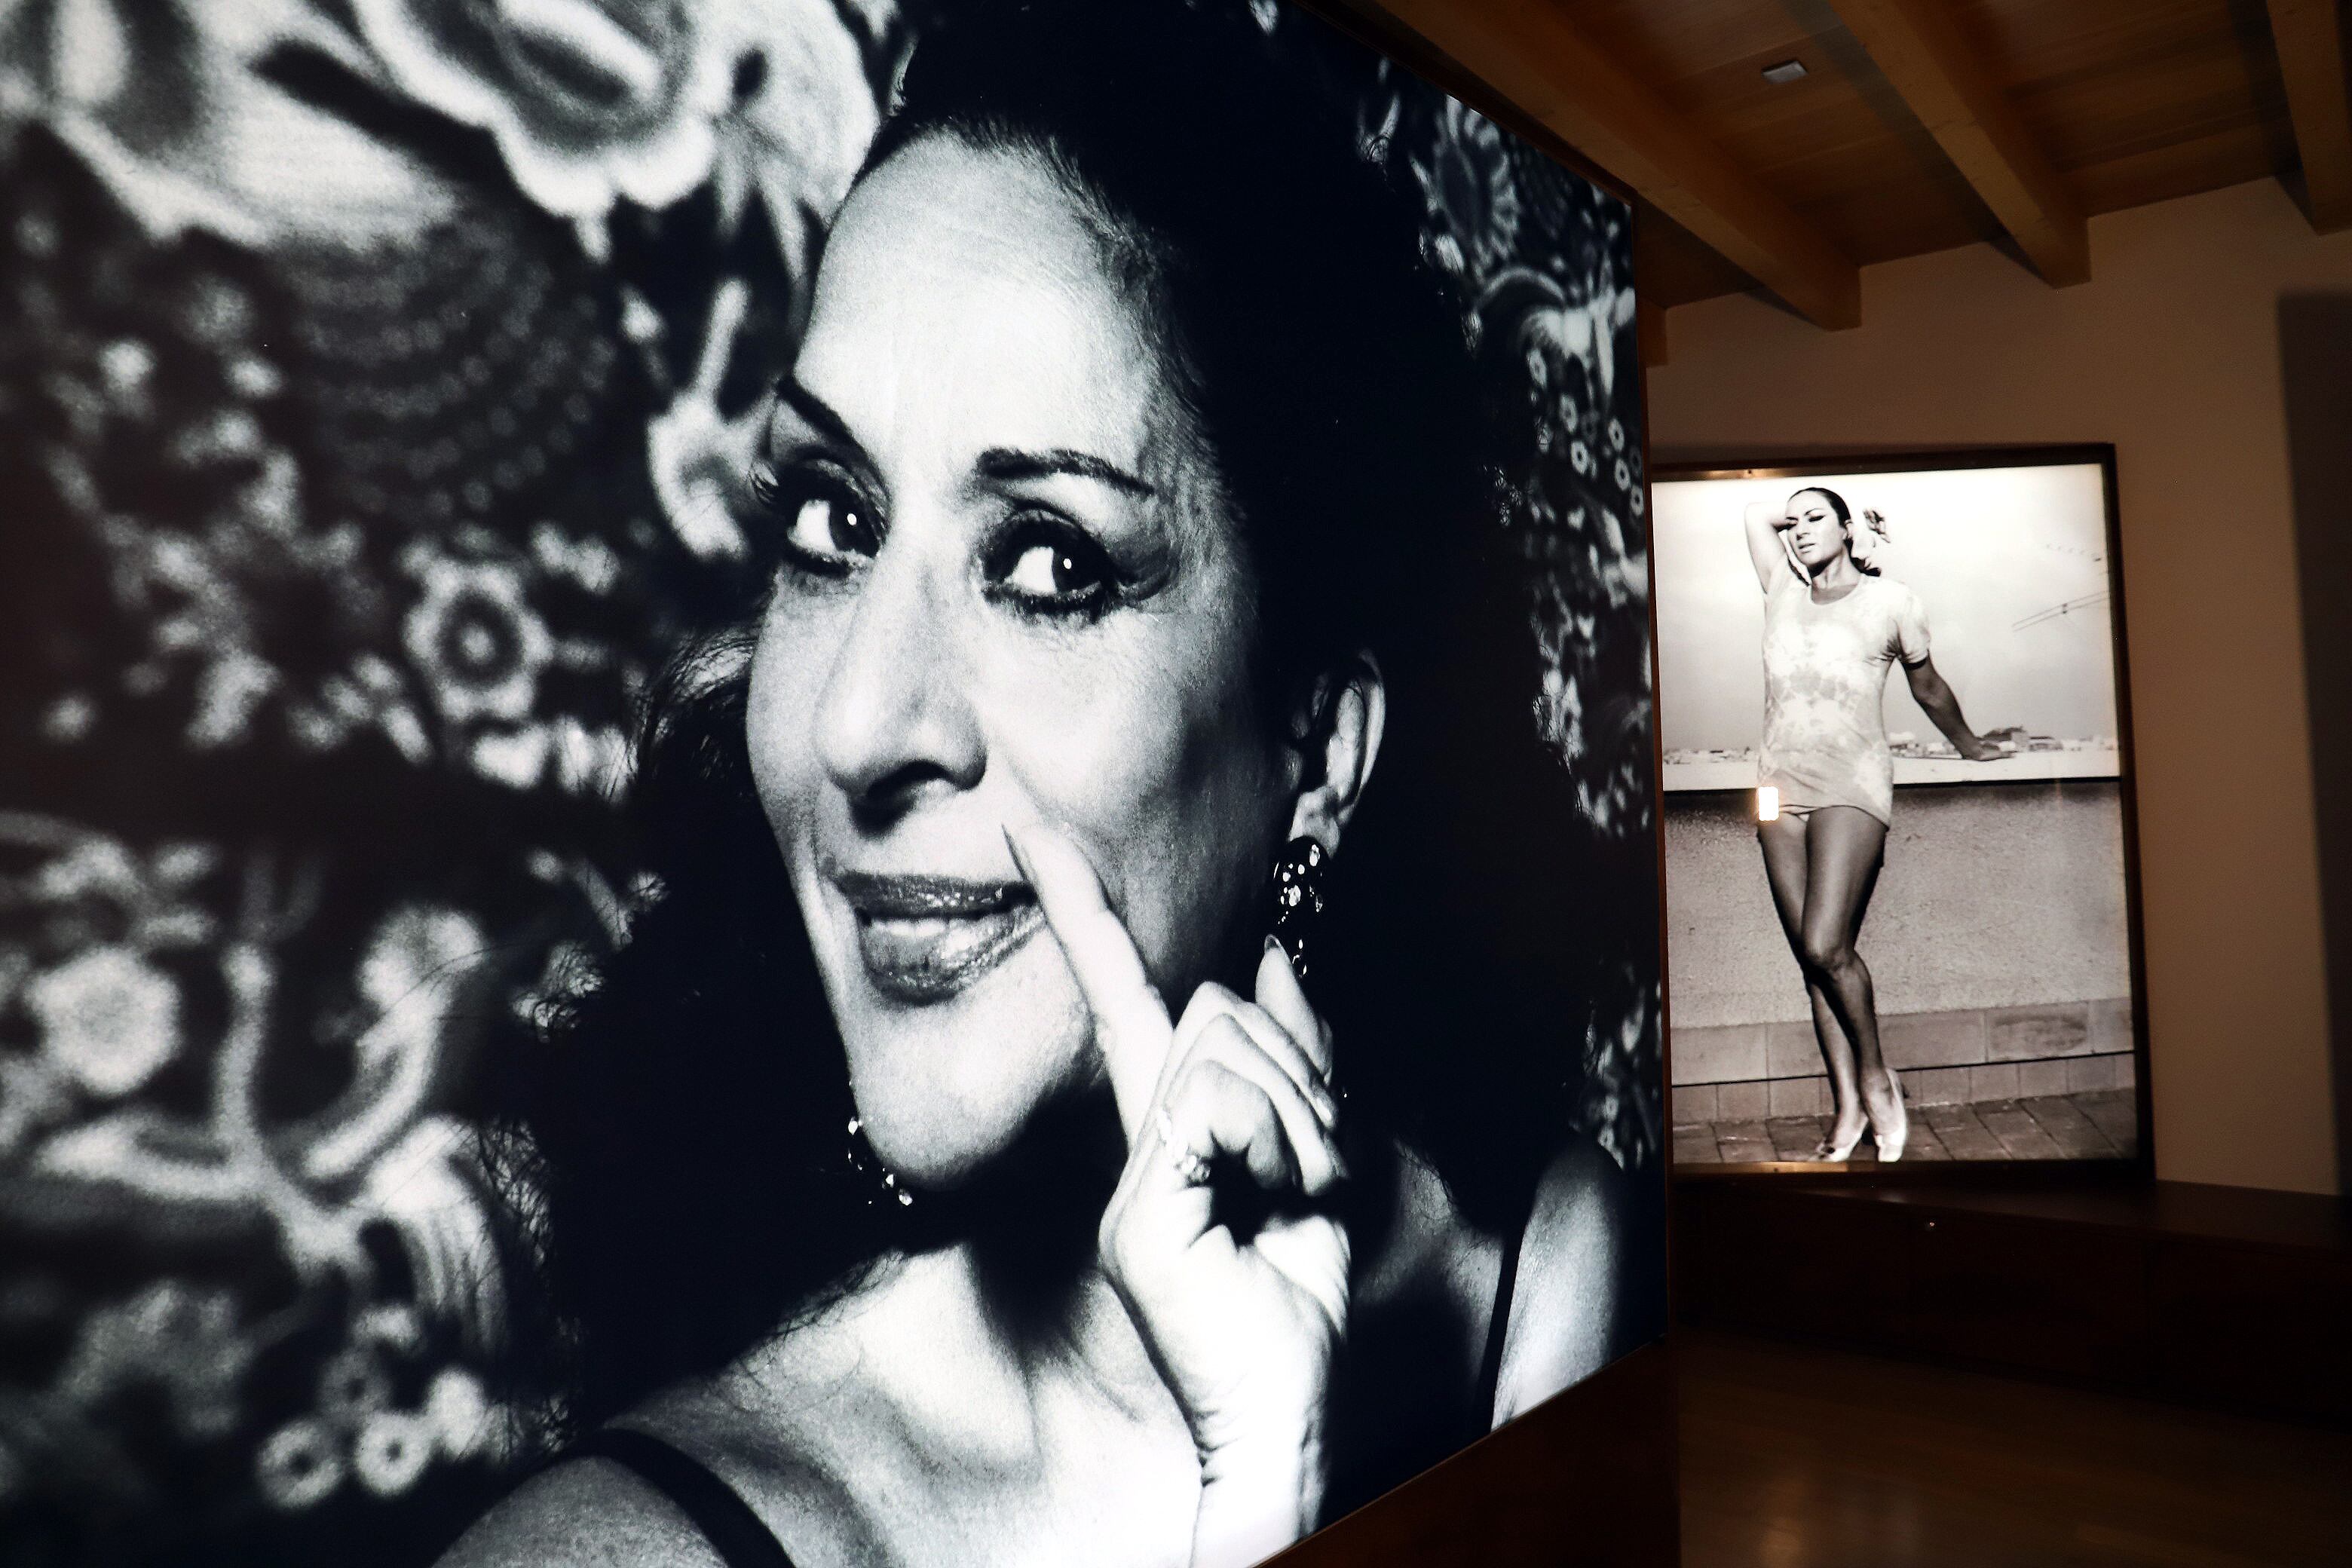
373 374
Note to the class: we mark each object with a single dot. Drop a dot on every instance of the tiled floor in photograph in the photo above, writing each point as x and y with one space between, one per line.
2095 1125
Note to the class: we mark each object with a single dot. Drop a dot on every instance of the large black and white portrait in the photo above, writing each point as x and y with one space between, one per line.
1899 916
791 780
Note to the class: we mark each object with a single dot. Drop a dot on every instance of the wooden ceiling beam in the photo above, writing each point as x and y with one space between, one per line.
1533 57
1650 330
2310 36
1924 56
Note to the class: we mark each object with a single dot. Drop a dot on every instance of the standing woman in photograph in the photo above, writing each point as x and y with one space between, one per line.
955 1166
1831 627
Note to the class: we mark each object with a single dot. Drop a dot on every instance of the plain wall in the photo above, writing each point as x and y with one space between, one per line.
2172 353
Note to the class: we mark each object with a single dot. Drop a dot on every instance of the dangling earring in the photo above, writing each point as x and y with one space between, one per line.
1297 897
863 1160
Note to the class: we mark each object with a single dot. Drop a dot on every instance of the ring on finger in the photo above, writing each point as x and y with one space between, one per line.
1191 1165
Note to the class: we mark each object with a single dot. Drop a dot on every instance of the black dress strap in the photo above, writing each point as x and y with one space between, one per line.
1498 1322
723 1516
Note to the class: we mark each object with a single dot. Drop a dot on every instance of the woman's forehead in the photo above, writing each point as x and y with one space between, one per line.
963 304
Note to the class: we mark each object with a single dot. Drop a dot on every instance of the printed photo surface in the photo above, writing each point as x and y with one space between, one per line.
873 779
1896 818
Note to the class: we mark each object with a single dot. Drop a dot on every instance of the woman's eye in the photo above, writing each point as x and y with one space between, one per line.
827 525
1053 568
815 520
1052 572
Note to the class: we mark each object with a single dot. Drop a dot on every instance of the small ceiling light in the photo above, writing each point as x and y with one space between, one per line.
1785 72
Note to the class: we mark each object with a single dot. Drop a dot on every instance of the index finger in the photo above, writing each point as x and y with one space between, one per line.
1131 1023
1279 993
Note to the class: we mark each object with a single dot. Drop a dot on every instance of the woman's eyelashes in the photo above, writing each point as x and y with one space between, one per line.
1046 565
820 523
1034 561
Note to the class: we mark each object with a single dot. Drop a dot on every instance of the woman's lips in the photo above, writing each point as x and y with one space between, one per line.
924 939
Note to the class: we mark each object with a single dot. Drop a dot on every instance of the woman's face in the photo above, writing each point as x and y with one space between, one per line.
1012 594
1815 532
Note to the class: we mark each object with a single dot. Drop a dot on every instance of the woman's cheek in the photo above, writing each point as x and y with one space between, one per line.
787 675
1152 760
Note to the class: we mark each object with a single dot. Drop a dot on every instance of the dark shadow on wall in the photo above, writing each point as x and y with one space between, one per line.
2315 368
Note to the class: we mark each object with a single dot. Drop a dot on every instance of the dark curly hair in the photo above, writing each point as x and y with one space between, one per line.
676 1142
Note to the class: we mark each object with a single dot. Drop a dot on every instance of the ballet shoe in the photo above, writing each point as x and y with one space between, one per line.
1891 1148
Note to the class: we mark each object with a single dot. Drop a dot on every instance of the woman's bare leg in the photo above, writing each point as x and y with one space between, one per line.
1844 845
1787 856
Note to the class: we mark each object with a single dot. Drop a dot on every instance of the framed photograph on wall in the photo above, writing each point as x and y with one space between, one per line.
1901 881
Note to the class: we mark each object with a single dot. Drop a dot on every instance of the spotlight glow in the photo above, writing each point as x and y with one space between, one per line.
1767 804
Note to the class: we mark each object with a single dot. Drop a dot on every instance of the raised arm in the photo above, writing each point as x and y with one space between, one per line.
1935 699
1766 547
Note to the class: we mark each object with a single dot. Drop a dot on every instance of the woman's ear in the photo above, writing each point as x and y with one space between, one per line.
1339 742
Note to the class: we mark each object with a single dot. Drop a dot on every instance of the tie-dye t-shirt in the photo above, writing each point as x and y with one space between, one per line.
1824 682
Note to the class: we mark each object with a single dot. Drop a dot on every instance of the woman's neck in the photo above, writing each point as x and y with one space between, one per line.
1021 1254
1102 1351
1014 1267
950 1397
940 1433
1836 576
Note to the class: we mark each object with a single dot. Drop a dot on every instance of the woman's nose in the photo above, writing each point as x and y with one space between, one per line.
893 718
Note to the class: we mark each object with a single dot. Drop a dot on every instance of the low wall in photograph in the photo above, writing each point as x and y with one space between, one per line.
1997 937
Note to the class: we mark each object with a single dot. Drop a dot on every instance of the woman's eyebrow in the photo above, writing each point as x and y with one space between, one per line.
1001 463
816 414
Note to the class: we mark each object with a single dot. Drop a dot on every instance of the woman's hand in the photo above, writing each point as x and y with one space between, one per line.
1934 694
1243 1328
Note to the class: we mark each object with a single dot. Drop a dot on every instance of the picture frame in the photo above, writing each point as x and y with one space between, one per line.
2137 1160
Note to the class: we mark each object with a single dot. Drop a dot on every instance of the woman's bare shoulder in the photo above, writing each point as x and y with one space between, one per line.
584 1513
787 1429
1581 1188
1576 1232
593 1512
1566 1306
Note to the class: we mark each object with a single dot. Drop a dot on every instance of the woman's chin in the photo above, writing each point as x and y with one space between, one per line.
929 1153
946 1090
927 1165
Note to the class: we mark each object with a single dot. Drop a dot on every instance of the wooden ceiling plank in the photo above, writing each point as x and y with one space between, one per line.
1927 59
2228 157
2310 34
1534 57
